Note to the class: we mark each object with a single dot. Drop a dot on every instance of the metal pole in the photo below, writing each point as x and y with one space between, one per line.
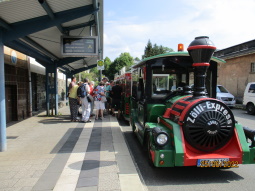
56 88
100 75
66 90
30 87
47 91
51 92
3 145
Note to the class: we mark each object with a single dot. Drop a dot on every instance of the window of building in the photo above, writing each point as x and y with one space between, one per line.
253 67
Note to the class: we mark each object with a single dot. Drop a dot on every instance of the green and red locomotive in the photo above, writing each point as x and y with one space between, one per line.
180 126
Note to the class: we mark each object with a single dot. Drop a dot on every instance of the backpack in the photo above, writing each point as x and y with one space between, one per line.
81 92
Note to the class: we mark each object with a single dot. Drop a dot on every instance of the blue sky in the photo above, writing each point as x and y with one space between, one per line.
128 25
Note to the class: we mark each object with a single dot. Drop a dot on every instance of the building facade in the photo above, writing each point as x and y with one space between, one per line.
239 68
25 90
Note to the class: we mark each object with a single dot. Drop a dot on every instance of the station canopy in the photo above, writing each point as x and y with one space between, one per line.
35 28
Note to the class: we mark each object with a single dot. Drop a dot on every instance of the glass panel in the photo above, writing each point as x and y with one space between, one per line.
252 67
221 89
134 83
160 85
252 88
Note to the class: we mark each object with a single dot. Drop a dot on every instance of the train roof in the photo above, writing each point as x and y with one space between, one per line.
170 54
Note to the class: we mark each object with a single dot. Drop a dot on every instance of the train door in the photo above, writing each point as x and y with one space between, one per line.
141 102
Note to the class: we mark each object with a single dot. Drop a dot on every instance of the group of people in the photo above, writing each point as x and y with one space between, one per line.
104 95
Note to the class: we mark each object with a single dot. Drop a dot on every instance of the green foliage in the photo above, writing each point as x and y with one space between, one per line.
107 63
125 59
137 59
155 50
93 75
148 50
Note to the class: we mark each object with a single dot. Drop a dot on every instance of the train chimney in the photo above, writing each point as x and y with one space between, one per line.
201 50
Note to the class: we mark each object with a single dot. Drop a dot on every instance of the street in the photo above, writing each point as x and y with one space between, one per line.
192 178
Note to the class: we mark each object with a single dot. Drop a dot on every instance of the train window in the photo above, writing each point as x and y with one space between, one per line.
165 81
134 83
162 84
140 90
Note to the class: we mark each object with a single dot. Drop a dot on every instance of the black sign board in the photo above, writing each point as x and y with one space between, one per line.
79 46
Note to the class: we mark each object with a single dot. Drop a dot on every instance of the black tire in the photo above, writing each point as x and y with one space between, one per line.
250 108
148 148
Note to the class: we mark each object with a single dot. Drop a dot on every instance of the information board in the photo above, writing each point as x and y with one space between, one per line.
79 46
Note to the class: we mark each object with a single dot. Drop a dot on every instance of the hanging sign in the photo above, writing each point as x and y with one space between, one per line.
14 57
100 65
79 46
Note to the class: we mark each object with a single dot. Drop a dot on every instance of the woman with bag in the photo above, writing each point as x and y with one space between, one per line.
99 96
73 99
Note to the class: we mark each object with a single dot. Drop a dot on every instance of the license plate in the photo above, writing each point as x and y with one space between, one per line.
212 162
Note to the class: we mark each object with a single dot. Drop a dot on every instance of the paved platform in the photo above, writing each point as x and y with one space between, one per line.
52 153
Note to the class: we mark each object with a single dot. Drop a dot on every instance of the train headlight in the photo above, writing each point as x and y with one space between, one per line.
161 139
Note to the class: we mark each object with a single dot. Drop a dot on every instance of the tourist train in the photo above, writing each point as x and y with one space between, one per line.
170 102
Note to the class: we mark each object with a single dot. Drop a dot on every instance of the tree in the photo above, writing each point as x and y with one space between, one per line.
125 59
155 50
148 50
137 59
91 76
167 50
107 63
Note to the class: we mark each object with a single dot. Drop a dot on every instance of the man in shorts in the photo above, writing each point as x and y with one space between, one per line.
116 98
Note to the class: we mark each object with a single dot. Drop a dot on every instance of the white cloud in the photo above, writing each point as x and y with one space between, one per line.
226 22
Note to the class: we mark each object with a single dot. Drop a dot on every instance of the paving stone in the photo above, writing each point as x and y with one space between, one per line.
91 188
64 187
107 169
89 173
126 179
38 173
27 188
86 182
7 175
8 183
92 155
36 162
47 181
39 167
109 185
7 189
26 182
25 174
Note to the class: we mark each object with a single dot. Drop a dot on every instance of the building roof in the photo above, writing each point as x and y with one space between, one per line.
238 50
35 28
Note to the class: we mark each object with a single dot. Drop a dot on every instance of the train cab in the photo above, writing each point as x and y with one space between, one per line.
156 80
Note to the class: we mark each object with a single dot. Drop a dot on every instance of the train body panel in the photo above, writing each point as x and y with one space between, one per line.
179 153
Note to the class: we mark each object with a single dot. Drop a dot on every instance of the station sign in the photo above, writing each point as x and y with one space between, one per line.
100 64
77 46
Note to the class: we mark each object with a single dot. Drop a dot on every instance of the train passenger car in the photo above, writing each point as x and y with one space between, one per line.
126 84
180 127
125 81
